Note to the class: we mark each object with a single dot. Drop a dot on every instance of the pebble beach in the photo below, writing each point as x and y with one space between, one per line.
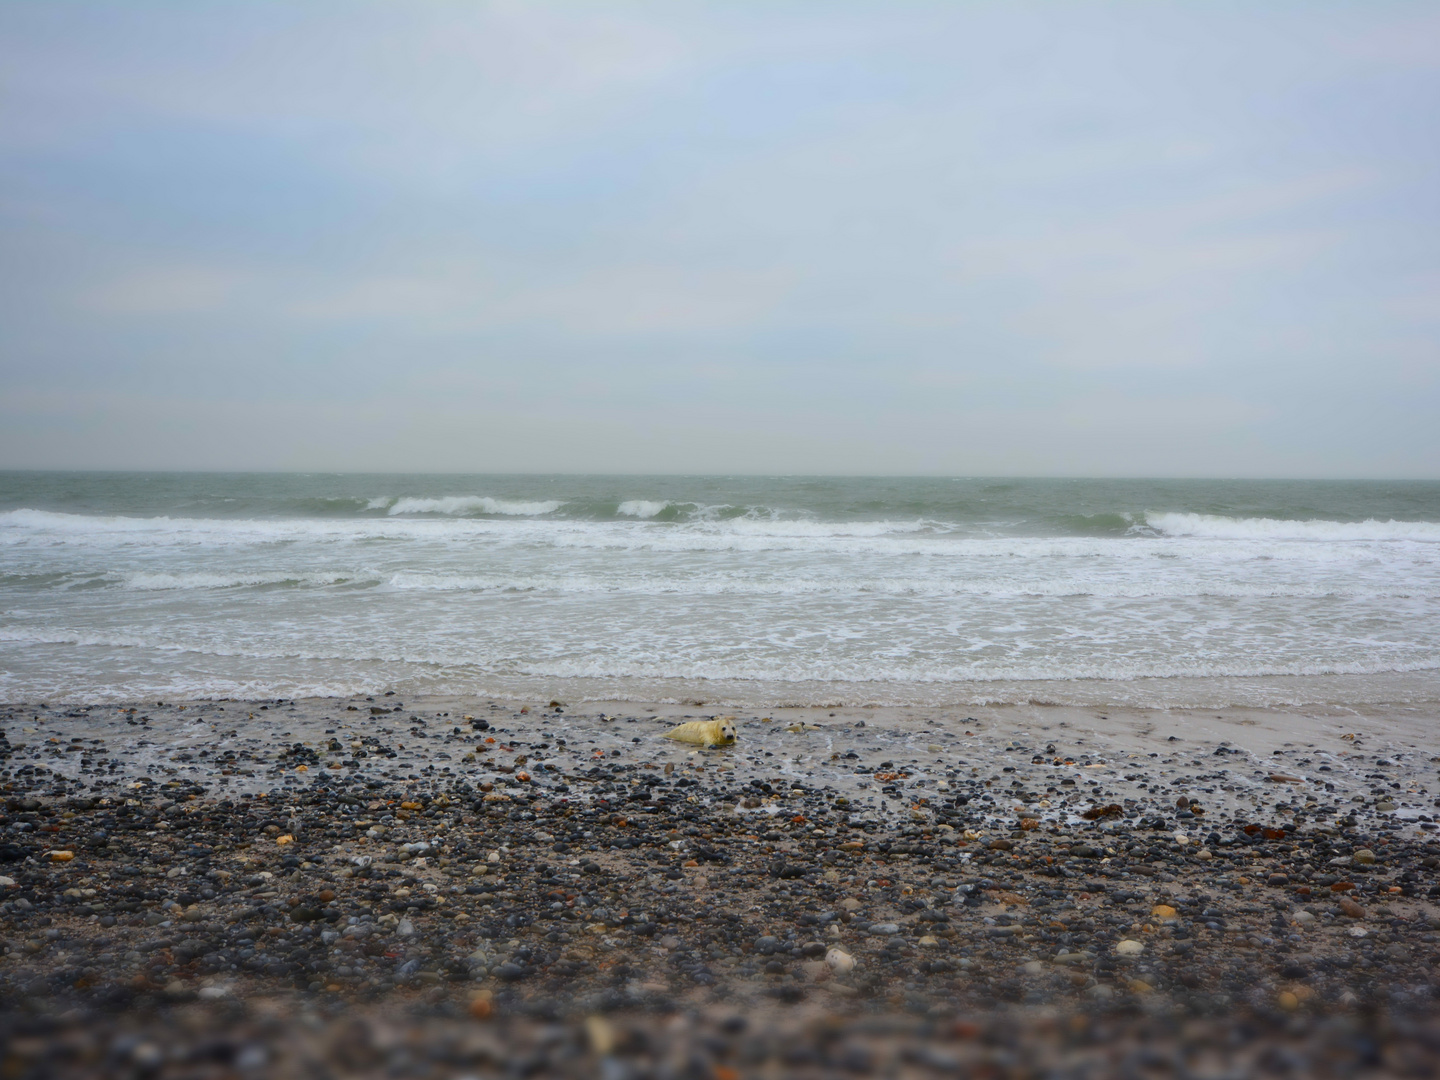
719 541
450 886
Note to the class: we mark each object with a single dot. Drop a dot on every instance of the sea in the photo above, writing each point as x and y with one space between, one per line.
723 591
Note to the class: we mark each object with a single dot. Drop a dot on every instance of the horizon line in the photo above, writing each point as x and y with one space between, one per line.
722 474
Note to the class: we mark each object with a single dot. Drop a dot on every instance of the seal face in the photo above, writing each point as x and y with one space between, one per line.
708 733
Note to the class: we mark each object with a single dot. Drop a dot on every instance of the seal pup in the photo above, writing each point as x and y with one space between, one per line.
708 733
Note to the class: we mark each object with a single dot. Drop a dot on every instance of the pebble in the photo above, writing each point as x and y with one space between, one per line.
593 904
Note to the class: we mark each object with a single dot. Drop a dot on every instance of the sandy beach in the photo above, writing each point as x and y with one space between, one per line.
871 891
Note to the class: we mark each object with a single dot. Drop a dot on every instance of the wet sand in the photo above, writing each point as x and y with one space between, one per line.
439 886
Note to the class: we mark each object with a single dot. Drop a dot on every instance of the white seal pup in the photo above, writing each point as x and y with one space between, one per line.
708 733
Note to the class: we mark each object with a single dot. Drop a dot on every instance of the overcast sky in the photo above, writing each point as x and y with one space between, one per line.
1038 238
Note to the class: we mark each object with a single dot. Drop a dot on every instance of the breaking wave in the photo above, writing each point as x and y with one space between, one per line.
1216 527
642 508
474 504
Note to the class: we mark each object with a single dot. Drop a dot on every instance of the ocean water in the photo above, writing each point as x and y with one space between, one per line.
738 591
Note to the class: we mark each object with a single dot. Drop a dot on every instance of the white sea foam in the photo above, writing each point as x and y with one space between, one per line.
1230 528
930 674
160 582
844 587
766 669
472 504
52 521
1202 558
921 602
514 522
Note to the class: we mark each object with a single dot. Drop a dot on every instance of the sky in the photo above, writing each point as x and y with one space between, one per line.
1027 238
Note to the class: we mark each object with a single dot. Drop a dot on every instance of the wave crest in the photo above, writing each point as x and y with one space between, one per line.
1214 526
642 508
474 504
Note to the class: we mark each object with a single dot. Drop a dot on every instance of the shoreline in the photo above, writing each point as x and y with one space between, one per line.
1366 693
230 746
940 894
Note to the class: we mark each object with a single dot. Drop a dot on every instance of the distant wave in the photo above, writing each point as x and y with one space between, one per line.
534 524
51 520
567 522
471 504
412 518
1230 528
642 508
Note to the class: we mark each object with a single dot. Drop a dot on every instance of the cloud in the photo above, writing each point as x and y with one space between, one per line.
169 291
607 301
710 236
